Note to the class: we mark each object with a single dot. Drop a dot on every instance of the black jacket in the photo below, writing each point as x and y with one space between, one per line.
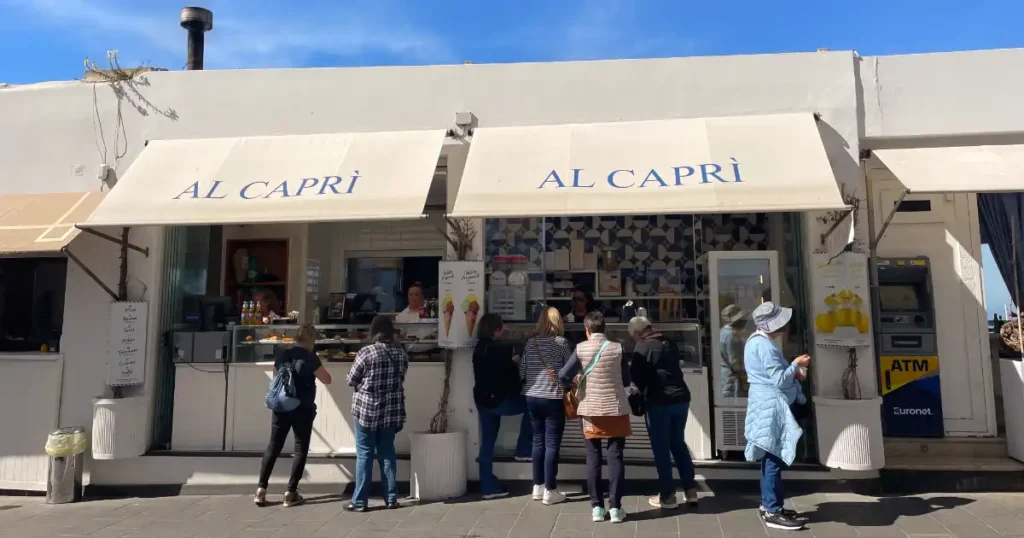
656 372
495 374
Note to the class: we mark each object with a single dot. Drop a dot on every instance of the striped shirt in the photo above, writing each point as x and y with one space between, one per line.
554 350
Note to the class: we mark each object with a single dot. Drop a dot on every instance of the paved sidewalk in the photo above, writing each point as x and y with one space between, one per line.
830 515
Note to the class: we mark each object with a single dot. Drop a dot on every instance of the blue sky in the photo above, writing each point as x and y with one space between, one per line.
49 39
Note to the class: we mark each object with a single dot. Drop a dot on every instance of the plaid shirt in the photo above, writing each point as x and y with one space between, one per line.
377 379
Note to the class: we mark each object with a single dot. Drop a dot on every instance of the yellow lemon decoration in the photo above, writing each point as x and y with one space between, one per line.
863 323
825 322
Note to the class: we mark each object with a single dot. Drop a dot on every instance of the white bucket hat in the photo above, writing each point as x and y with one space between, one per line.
770 317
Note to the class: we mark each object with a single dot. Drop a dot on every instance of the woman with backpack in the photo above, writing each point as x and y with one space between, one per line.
497 392
377 379
303 368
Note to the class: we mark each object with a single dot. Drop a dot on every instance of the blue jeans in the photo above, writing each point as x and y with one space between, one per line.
665 426
379 443
490 424
547 419
771 483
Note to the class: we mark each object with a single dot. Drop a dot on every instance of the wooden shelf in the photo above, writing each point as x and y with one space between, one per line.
260 284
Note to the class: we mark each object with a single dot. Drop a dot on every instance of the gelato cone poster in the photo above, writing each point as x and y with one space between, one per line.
461 289
842 308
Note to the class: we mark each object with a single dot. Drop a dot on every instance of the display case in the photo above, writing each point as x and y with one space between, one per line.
685 334
335 343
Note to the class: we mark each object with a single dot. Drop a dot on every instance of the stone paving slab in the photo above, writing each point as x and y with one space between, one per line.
724 516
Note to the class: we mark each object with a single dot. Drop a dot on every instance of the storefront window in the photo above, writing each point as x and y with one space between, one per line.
31 303
389 278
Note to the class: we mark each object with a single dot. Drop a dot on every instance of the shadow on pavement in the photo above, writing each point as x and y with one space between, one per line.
882 512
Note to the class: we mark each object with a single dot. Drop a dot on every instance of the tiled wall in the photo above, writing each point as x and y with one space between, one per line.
660 242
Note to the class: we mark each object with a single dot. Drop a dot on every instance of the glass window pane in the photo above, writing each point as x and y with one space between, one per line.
743 284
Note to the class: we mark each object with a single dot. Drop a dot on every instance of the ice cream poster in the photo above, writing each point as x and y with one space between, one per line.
461 292
842 307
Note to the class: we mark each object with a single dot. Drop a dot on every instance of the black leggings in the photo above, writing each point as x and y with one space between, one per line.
300 421
616 468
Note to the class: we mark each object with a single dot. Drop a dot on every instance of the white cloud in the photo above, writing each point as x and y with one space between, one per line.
245 34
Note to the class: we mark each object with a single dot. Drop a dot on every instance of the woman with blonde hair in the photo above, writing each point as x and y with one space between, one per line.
306 368
543 357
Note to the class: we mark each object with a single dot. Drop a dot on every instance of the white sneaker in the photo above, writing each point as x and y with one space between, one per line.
618 515
538 493
553 496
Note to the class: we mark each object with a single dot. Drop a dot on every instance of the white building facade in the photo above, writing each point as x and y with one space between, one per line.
59 137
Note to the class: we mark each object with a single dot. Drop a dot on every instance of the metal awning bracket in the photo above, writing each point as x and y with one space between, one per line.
892 213
141 250
92 275
845 213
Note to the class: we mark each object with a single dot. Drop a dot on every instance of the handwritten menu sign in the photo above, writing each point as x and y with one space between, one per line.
126 349
461 292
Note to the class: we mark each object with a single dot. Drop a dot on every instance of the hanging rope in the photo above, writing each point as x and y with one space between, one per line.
851 383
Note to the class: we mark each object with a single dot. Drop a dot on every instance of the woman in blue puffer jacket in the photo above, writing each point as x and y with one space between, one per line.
771 430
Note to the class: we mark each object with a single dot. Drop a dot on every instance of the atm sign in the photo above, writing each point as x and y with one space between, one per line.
898 371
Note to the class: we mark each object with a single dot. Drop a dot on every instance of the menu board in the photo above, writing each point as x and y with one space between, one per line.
842 309
126 349
461 292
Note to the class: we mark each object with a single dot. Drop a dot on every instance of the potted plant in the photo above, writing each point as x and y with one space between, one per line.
438 458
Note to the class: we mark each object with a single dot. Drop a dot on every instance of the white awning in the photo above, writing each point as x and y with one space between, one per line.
42 224
957 169
271 179
709 165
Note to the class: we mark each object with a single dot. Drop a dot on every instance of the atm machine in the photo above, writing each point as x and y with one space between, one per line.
908 357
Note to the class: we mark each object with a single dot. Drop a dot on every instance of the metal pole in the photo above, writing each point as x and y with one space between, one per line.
197 21
873 281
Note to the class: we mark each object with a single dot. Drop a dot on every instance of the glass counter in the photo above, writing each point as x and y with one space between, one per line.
686 336
334 343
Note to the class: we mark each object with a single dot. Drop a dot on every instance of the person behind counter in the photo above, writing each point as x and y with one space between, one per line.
655 371
417 305
770 429
583 303
604 412
543 356
269 304
308 369
377 379
497 392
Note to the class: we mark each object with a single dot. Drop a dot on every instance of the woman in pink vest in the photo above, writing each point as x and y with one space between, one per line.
604 411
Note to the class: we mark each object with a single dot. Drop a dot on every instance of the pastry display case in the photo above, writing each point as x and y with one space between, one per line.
335 343
685 334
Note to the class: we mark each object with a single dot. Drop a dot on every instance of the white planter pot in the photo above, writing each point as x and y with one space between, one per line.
118 428
438 466
850 433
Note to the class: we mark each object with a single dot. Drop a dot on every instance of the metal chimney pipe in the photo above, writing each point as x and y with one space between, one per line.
197 21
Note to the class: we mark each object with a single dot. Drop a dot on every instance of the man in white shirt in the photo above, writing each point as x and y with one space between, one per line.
417 301
411 314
